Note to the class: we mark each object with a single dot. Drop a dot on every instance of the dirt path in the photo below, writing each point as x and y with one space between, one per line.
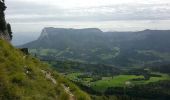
48 76
66 89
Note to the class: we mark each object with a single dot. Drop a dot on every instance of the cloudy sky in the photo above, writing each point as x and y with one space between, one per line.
108 15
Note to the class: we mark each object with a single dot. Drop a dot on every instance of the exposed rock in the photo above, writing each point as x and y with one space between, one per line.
5 29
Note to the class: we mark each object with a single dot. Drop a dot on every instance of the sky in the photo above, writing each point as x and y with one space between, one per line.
109 15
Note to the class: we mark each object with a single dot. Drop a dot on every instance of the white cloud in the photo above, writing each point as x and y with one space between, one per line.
92 3
81 12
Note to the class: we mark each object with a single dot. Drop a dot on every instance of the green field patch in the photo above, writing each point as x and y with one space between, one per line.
116 81
73 76
43 52
123 80
87 79
153 79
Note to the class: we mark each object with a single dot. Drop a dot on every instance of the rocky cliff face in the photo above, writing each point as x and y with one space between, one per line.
5 29
5 36
50 31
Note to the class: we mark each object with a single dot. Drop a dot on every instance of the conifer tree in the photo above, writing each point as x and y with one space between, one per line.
9 30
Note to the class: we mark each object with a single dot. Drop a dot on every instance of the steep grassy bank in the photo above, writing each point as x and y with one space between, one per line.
21 78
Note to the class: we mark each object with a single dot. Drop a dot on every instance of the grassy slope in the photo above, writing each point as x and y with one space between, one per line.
21 78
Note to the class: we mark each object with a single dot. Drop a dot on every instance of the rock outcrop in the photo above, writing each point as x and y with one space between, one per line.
5 28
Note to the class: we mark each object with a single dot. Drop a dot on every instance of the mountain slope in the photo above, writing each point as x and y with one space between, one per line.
94 46
22 78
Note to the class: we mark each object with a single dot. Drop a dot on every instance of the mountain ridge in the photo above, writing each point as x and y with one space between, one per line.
102 47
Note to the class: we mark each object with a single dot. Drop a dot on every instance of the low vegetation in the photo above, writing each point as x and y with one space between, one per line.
21 78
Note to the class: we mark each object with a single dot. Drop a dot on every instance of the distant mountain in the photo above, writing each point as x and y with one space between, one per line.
94 46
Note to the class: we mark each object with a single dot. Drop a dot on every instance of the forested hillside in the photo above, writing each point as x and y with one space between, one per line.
94 46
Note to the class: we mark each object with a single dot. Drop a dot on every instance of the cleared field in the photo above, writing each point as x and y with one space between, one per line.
116 81
123 80
73 75
153 79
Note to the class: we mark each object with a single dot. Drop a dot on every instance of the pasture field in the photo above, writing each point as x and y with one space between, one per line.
116 81
123 80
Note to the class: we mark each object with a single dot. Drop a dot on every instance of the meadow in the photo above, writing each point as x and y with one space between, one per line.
116 81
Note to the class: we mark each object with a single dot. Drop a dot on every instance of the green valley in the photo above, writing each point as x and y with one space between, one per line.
83 63
109 65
